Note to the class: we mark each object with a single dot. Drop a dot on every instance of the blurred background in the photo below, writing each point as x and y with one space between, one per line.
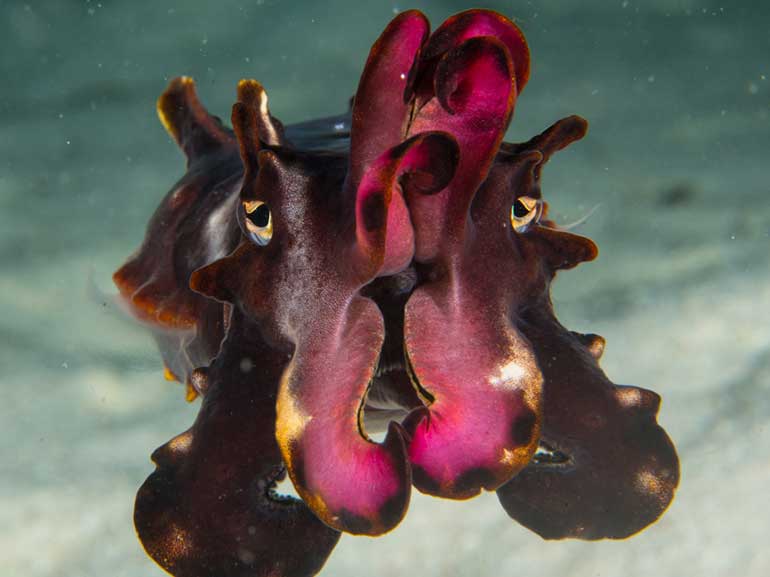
678 99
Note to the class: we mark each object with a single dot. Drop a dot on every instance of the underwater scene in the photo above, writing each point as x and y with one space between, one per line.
288 289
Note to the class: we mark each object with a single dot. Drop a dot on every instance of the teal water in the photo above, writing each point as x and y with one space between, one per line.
678 99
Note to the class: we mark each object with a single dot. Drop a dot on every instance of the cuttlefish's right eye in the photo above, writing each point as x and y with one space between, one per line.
525 210
259 221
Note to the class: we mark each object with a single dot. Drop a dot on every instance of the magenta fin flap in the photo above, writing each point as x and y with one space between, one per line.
350 482
481 381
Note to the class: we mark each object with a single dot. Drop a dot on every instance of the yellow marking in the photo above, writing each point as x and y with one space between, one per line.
178 542
647 482
252 205
168 375
528 202
183 84
318 506
272 135
629 397
509 457
263 233
427 398
190 393
181 443
533 208
291 419
520 456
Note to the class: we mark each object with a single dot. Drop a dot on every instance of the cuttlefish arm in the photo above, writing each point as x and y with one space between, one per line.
604 467
470 363
210 507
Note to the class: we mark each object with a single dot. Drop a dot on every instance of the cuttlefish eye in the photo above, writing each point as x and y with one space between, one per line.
524 211
259 221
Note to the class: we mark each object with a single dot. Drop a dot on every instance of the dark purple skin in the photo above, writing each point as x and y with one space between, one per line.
194 225
605 468
402 285
209 506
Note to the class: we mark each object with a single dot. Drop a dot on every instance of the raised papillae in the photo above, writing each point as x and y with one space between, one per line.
384 271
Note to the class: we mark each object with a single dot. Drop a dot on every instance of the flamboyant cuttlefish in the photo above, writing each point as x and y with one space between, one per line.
385 270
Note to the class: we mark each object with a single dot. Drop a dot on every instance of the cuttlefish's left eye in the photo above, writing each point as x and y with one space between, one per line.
259 221
524 211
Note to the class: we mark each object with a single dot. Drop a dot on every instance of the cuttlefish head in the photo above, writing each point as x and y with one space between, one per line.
319 230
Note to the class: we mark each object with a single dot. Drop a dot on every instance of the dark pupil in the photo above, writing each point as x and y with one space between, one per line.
260 217
519 210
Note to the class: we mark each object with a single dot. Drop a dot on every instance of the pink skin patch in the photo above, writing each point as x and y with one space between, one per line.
364 481
378 199
484 417
350 483
424 163
380 113
473 23
482 380
474 94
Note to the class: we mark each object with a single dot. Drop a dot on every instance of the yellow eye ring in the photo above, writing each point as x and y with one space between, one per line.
525 211
259 221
